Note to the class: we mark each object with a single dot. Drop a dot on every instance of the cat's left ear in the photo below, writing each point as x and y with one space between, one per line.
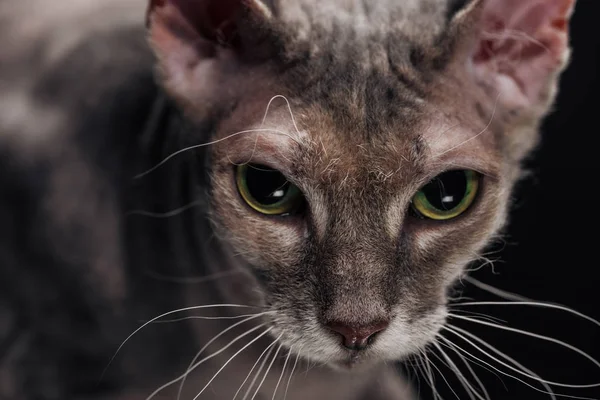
517 47
199 42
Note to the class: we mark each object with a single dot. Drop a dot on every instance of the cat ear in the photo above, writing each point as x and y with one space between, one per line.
518 47
193 38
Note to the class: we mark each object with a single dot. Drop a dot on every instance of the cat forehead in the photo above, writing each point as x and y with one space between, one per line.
346 147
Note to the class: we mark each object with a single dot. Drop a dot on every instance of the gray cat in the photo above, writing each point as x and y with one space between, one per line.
333 167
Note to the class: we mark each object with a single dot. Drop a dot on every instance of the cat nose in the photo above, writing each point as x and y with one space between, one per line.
357 337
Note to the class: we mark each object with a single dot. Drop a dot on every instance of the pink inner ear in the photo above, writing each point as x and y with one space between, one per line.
212 19
525 24
525 41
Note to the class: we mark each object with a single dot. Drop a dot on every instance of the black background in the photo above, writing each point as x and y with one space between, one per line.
552 242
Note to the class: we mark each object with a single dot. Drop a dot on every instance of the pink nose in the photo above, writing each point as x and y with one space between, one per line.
357 337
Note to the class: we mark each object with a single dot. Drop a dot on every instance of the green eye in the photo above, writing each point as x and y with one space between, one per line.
267 190
448 195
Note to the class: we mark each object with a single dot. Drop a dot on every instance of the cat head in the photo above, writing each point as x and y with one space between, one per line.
363 153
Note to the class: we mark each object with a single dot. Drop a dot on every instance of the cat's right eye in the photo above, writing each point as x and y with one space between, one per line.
267 190
448 195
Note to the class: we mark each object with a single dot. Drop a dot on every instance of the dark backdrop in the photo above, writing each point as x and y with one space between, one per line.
552 245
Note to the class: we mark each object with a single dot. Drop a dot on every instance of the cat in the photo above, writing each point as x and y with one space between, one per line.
332 165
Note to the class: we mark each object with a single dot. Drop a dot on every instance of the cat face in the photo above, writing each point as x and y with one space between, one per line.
362 157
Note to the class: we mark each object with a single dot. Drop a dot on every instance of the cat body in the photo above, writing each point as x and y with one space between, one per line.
359 105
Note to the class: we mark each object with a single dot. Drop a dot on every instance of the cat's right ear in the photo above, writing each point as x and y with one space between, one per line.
193 39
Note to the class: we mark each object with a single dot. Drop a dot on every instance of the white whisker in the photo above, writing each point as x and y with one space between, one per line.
482 316
193 363
282 372
167 214
164 315
252 369
291 375
523 370
472 372
168 321
498 292
541 337
196 146
532 375
430 376
475 136
267 372
529 303
229 360
268 351
194 366
279 96
194 280
442 375
471 391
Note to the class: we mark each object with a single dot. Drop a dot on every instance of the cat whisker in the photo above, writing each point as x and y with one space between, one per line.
267 372
193 364
495 291
472 372
522 371
197 146
196 365
164 315
287 358
474 136
168 214
287 387
420 369
468 357
529 303
537 336
195 280
530 373
229 360
289 107
266 353
430 376
471 391
442 374
484 317
168 321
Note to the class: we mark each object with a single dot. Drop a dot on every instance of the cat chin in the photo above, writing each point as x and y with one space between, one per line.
355 362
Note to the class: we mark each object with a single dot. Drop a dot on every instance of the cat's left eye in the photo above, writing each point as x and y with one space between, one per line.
267 190
448 195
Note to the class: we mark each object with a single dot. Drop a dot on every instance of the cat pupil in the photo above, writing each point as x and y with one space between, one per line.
268 186
447 191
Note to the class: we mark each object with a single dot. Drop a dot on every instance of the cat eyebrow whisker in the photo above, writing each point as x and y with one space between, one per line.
478 134
194 280
289 107
168 214
196 146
